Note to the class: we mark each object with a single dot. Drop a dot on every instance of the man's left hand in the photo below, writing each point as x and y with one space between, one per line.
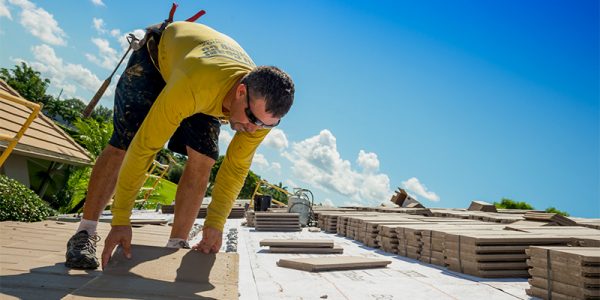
211 241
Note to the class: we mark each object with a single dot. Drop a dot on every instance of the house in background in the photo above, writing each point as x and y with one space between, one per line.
44 148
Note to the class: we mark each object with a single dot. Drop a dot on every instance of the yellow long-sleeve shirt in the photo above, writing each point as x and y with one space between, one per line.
199 66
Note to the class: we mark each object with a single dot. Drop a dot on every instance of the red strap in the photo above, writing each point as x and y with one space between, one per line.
196 16
172 12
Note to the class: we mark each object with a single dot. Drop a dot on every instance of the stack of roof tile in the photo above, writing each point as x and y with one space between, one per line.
432 238
236 212
388 238
564 272
372 230
590 223
482 206
316 264
269 221
308 246
343 221
503 218
493 253
329 222
549 217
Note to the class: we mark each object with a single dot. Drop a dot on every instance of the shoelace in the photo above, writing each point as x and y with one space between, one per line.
86 242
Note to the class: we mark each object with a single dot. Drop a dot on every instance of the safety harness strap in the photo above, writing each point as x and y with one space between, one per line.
193 18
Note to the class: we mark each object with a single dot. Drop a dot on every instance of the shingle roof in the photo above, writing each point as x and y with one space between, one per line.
43 139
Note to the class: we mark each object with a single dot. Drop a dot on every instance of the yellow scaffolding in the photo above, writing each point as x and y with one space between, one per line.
266 183
13 140
157 172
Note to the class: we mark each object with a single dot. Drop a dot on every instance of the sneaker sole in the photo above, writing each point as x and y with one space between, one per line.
82 264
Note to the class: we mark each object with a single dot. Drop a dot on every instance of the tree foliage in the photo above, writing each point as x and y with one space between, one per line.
175 161
76 188
93 135
26 81
275 193
102 114
249 183
553 210
511 204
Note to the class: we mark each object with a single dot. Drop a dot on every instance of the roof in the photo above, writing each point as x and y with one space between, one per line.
33 256
43 139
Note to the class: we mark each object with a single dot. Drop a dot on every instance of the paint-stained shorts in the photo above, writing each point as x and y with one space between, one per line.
137 89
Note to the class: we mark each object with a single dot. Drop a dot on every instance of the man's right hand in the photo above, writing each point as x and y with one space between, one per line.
118 235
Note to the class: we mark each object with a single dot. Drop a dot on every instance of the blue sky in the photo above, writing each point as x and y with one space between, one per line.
453 100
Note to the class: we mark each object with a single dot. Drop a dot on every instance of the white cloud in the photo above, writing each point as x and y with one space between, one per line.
4 11
368 161
276 139
328 203
115 33
317 162
99 25
40 23
291 184
108 57
225 137
67 76
414 185
275 166
260 162
98 3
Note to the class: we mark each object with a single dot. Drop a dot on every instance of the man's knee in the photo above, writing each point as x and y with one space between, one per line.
113 152
198 163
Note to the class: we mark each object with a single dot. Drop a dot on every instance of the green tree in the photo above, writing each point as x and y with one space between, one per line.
175 172
68 111
275 193
553 210
102 114
26 82
93 135
215 170
76 188
249 184
511 204
175 161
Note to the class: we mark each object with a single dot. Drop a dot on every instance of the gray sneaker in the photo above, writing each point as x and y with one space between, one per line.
178 245
81 251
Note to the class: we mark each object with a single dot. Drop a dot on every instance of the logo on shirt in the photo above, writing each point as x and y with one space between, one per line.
214 48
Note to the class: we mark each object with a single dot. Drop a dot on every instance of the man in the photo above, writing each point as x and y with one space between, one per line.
176 87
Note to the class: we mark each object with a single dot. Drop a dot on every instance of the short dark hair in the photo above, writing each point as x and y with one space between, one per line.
275 86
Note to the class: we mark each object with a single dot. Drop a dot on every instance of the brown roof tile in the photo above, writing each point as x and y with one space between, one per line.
43 139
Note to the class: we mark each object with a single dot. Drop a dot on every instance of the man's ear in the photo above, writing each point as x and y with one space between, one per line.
241 90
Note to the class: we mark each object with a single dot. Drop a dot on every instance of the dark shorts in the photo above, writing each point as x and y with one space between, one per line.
137 89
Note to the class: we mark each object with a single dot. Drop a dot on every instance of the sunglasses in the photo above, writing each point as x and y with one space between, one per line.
252 118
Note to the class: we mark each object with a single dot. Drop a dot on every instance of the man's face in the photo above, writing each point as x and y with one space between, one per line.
250 114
